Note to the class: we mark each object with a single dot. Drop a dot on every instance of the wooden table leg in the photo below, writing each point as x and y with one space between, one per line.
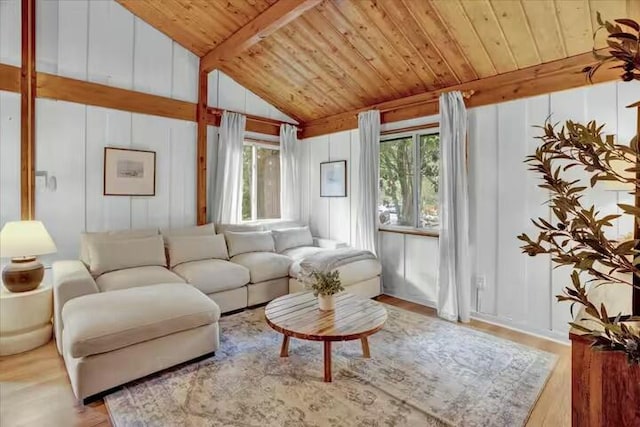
284 350
365 347
327 361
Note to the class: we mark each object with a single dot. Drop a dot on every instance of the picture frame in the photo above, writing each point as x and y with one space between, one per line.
333 179
129 172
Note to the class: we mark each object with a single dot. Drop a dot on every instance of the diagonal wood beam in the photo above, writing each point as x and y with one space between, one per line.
275 17
27 111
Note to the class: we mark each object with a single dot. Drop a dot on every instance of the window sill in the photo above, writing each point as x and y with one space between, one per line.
409 230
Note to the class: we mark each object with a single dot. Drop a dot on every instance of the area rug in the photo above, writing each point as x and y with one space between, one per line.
422 372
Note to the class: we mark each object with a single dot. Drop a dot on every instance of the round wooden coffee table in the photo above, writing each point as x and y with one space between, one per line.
297 315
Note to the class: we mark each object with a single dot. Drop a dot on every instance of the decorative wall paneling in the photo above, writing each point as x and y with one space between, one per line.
227 94
9 156
27 110
519 291
267 22
343 55
549 77
71 139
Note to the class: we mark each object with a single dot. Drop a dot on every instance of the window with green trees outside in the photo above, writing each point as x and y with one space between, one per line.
260 182
409 168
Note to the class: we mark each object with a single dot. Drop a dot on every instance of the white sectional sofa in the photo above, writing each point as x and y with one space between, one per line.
241 266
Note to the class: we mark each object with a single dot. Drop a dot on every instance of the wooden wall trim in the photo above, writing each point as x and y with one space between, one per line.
27 111
201 149
10 78
82 92
276 16
254 123
539 79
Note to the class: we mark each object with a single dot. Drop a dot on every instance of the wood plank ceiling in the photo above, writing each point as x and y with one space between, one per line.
347 54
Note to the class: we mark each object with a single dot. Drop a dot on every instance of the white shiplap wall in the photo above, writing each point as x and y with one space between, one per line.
227 94
520 291
102 42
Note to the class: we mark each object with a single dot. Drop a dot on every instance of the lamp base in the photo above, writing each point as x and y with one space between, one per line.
23 274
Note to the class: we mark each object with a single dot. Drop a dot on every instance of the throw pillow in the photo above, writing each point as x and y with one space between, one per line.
292 238
87 238
111 255
256 241
195 248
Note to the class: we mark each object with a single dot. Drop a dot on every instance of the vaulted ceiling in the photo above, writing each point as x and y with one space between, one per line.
347 54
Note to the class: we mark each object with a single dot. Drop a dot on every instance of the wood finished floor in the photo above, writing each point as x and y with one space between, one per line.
35 390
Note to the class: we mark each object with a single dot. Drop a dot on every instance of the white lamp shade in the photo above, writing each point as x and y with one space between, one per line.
25 239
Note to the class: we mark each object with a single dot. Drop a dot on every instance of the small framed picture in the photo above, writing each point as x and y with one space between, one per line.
333 179
129 172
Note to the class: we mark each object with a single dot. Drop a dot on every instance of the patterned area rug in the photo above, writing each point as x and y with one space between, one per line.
422 372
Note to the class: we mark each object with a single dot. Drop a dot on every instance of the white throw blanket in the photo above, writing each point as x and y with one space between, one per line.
329 260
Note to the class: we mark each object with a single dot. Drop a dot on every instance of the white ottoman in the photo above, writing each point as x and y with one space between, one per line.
115 337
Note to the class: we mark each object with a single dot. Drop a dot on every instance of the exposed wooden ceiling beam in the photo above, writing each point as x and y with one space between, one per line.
275 17
539 79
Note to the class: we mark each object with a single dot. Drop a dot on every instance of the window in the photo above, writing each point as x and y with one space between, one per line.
409 167
261 182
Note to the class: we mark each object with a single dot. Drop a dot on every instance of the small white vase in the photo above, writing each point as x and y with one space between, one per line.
326 302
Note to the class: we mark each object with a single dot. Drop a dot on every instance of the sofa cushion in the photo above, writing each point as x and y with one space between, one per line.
264 265
241 228
196 230
256 241
213 275
301 252
183 249
111 255
350 273
289 238
280 224
104 322
135 277
87 238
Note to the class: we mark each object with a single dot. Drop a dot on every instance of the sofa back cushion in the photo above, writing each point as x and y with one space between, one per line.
87 238
238 228
118 254
292 238
256 241
195 248
196 230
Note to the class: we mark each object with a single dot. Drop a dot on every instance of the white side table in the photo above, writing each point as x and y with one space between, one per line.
25 319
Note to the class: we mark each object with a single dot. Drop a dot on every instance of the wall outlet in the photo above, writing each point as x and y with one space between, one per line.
481 283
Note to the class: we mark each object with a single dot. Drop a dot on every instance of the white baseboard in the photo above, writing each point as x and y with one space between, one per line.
557 337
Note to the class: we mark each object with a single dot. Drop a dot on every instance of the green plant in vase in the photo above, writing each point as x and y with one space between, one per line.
324 286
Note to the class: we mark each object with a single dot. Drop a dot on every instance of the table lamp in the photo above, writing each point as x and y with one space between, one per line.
22 241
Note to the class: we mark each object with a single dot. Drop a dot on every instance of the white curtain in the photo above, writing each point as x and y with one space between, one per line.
290 179
454 279
226 205
368 172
